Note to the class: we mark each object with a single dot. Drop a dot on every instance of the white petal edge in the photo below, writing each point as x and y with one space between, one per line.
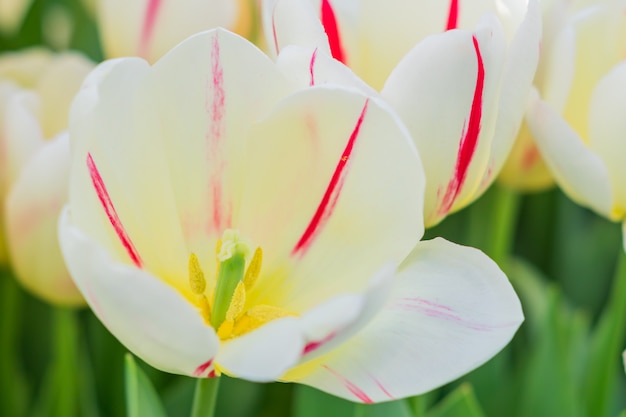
451 310
268 352
146 315
580 173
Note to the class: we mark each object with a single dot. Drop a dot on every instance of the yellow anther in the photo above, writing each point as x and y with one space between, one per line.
253 269
205 308
226 329
218 247
257 316
237 303
196 276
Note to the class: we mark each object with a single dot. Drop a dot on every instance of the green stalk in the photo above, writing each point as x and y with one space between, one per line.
492 223
11 399
418 405
65 365
205 397
360 410
607 345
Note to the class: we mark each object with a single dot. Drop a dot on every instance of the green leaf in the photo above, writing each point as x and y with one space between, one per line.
556 346
604 368
141 397
309 402
460 403
393 408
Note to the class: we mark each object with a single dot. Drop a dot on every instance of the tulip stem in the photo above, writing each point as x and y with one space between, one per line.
66 354
492 224
205 397
607 344
12 400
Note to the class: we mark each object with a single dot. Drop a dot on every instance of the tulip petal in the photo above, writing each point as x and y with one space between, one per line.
307 67
454 76
607 128
147 316
293 22
210 109
268 352
579 171
264 354
116 203
33 205
333 192
450 311
517 78
149 28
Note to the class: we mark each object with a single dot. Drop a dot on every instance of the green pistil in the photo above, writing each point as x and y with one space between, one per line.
232 270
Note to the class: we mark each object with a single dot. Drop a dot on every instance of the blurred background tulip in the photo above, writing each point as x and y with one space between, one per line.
37 90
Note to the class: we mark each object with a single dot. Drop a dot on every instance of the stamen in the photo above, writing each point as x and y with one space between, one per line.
232 257
253 269
238 302
196 276
257 316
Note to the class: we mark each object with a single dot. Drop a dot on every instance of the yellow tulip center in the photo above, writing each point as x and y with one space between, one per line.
226 309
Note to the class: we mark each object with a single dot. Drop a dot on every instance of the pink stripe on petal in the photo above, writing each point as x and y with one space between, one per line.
453 15
329 21
218 95
469 140
311 346
382 388
215 106
201 369
147 29
274 35
350 386
442 312
312 68
331 195
109 209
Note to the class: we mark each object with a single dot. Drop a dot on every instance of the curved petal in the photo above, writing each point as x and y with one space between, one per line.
292 22
333 194
596 32
146 315
22 131
446 91
127 210
525 169
57 86
522 57
580 173
307 67
150 28
332 323
224 84
450 311
33 206
607 129
268 352
264 354
205 94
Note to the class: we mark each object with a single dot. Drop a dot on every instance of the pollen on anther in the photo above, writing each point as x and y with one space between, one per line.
196 276
237 303
253 269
